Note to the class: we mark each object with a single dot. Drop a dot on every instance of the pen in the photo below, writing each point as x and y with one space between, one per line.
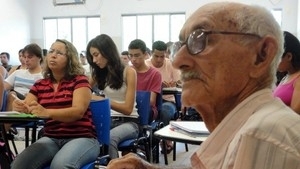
14 96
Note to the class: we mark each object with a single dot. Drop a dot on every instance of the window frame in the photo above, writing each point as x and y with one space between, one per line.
125 42
55 35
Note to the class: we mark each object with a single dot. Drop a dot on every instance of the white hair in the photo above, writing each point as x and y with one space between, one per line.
258 20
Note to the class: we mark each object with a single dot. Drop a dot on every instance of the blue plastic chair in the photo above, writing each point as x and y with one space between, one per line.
144 110
101 118
156 125
4 100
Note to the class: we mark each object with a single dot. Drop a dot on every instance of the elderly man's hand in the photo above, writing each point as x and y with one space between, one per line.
129 161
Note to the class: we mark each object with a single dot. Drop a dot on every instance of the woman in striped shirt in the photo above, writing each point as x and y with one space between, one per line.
62 97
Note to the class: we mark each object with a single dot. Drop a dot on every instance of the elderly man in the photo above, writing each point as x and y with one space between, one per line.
228 54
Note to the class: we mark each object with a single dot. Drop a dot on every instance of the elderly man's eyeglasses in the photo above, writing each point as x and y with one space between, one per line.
56 52
197 40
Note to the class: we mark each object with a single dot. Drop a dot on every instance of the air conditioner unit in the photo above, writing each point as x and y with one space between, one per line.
67 2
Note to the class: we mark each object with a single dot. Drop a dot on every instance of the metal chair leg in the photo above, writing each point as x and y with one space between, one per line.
174 151
13 143
186 147
26 137
165 152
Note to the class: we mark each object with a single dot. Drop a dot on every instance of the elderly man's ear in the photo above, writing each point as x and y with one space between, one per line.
266 51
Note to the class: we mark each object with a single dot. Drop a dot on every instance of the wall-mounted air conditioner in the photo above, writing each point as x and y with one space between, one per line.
67 2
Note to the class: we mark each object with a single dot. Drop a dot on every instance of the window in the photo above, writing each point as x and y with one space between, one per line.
78 30
151 27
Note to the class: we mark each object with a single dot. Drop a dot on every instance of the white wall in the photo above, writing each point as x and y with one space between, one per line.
15 27
26 17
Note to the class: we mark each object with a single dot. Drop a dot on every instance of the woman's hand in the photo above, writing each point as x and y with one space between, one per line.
36 109
20 106
129 161
168 84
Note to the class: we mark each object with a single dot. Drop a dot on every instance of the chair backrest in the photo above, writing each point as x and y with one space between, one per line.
4 100
143 106
178 105
178 100
101 119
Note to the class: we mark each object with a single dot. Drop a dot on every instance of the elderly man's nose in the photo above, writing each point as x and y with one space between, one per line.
177 60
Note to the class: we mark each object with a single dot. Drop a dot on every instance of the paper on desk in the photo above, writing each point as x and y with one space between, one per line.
9 113
191 127
172 89
15 114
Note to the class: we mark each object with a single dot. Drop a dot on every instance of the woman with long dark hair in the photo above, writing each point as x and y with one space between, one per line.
118 83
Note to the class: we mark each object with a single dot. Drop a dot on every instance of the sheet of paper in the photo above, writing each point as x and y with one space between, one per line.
172 89
195 127
9 113
15 114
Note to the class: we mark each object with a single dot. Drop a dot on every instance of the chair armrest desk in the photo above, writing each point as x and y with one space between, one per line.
166 133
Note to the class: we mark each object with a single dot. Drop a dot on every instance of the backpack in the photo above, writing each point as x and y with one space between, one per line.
191 115
4 161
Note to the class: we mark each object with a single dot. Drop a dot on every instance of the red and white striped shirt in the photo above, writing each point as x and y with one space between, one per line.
44 91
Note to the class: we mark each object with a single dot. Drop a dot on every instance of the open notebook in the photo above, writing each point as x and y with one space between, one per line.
191 128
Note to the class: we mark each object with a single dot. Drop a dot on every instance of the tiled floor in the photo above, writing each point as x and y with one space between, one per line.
182 157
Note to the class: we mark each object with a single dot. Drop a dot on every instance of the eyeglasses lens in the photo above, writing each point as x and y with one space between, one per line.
196 42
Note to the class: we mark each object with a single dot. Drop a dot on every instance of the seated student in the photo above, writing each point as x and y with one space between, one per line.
5 57
1 93
63 96
3 75
118 83
22 61
170 78
288 90
20 81
3 72
148 78
125 58
84 63
169 46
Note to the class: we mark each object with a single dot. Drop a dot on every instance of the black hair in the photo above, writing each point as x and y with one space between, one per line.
125 53
159 45
138 44
5 53
34 49
112 74
292 45
21 51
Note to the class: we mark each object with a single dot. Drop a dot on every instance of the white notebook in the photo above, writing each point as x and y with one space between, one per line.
192 127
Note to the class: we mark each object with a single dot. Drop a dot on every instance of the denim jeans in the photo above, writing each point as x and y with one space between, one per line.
122 132
61 153
167 113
